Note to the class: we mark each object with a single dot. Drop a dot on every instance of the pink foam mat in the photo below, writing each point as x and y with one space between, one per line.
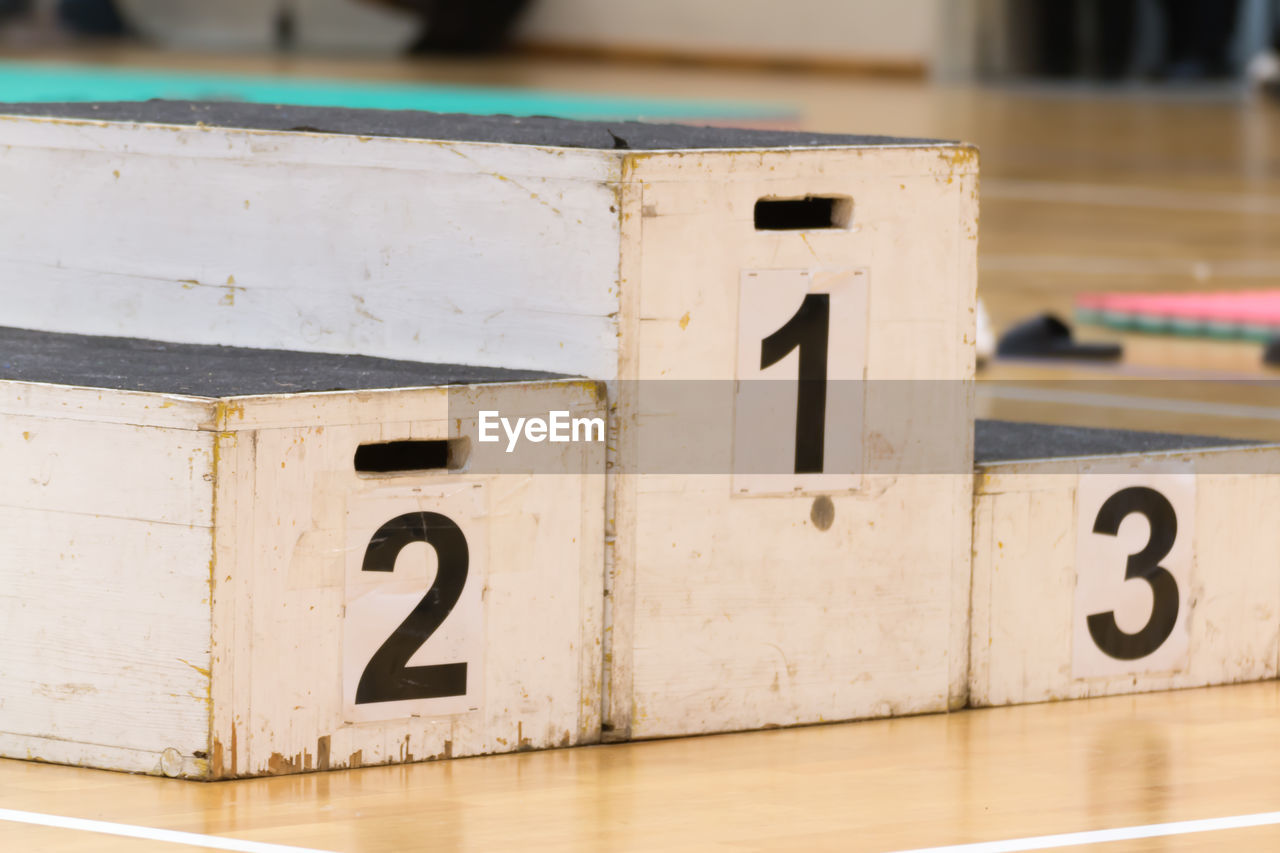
1249 307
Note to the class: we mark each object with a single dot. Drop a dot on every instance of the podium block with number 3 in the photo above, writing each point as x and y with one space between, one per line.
1132 562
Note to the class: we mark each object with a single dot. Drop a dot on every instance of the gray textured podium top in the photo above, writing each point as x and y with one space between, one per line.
130 364
1006 441
410 124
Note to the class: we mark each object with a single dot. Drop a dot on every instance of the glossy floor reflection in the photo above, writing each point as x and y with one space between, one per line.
887 785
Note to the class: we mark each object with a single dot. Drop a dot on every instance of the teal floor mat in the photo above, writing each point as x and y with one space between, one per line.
44 82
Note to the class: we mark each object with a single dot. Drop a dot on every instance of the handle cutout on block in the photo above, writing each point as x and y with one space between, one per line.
810 213
405 457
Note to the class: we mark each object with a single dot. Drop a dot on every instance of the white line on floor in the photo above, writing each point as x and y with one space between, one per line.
1125 401
1081 265
191 839
1104 836
1108 195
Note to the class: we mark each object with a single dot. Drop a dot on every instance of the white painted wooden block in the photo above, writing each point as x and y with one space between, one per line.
743 602
750 582
1115 562
196 580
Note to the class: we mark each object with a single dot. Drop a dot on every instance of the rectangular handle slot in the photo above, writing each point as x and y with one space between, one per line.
400 457
810 213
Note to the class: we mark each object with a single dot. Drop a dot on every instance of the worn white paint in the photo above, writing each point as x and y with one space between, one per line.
282 531
619 265
737 612
1028 565
113 535
105 542
313 242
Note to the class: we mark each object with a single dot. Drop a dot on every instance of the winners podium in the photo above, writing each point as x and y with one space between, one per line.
776 531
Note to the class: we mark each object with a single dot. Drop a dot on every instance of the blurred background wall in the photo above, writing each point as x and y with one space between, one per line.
902 34
944 39
949 39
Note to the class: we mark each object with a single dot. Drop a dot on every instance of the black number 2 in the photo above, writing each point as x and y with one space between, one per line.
1144 565
808 329
386 677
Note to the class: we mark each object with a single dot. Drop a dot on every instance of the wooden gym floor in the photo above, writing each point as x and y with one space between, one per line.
1082 190
886 785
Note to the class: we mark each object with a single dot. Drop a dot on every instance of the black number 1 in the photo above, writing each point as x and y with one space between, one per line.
808 329
387 678
1145 565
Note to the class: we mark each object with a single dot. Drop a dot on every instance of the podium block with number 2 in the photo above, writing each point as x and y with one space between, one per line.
248 583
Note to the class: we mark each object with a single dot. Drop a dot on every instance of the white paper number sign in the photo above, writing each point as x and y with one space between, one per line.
799 436
413 629
1134 562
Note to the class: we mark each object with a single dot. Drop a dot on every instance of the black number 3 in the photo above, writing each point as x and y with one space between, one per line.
1144 565
386 677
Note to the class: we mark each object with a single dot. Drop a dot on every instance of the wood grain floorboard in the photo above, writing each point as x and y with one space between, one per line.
1091 190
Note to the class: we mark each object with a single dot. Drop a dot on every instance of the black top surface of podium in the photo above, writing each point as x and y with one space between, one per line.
1007 441
197 370
410 124
211 371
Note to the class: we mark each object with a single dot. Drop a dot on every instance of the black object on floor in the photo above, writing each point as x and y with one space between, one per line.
91 17
1047 336
14 8
1271 355
462 26
1199 36
473 26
